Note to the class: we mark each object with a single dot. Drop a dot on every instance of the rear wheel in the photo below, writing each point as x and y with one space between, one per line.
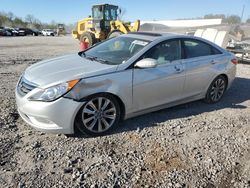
89 38
99 115
216 90
115 34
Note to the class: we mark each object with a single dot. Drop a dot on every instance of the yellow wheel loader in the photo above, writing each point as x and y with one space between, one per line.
103 24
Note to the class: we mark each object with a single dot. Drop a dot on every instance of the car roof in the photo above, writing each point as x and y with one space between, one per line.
151 36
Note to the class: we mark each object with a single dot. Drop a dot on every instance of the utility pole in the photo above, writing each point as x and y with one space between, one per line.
242 13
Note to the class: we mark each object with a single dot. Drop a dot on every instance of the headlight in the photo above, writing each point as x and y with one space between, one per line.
54 92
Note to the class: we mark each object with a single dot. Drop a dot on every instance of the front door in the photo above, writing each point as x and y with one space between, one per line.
163 84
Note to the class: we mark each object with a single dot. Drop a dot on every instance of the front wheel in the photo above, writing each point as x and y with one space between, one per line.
99 115
88 38
216 90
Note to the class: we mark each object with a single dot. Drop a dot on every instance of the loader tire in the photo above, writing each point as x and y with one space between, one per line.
115 33
89 38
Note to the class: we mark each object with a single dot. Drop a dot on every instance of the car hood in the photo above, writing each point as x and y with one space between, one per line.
65 68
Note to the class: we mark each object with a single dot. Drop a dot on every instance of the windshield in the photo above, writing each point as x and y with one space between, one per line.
116 50
97 13
113 14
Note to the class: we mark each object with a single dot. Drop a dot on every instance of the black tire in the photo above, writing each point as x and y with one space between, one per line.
115 33
216 90
89 38
111 114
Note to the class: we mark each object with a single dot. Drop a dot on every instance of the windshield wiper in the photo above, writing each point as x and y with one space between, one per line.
92 58
102 60
82 54
87 57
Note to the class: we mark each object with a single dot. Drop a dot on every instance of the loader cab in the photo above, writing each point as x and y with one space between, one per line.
102 15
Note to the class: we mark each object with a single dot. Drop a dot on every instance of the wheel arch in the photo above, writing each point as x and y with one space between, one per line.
225 76
216 76
119 100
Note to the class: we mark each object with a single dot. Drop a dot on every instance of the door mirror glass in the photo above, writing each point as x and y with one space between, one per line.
146 63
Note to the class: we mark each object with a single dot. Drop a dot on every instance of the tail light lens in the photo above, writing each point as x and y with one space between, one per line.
235 61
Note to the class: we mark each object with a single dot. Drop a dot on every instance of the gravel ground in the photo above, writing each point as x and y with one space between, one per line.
191 145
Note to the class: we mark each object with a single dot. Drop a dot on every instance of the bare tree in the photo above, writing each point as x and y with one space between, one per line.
214 16
233 19
10 15
30 19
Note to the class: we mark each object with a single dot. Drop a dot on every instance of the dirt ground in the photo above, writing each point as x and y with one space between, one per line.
191 145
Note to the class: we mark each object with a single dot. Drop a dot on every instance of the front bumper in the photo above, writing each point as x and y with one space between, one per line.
51 117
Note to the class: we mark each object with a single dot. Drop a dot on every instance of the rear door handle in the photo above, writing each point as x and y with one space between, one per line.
178 69
213 62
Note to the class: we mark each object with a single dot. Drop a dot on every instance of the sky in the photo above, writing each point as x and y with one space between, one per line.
69 11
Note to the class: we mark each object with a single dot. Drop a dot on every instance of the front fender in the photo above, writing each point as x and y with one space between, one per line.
118 84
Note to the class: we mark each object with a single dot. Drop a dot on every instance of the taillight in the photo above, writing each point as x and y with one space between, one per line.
235 61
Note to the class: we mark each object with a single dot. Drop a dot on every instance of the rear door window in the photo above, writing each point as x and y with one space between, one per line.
195 48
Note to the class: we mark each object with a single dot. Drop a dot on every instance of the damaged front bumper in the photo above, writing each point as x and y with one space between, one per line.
51 117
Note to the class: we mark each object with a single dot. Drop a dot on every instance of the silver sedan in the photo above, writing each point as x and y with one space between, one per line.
123 77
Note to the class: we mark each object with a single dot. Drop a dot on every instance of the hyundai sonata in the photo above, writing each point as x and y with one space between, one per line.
126 76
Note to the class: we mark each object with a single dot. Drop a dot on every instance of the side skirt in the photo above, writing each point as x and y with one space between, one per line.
168 105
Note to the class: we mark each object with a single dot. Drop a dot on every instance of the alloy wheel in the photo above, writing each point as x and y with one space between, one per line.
217 89
98 115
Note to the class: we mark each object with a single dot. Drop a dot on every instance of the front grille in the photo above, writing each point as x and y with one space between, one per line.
24 87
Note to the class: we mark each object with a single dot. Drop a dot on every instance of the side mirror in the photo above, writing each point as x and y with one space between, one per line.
146 63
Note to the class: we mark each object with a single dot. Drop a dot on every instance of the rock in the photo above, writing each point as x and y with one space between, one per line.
21 185
138 130
94 186
86 176
67 170
35 145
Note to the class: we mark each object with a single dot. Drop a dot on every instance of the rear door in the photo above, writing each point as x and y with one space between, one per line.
200 58
163 84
